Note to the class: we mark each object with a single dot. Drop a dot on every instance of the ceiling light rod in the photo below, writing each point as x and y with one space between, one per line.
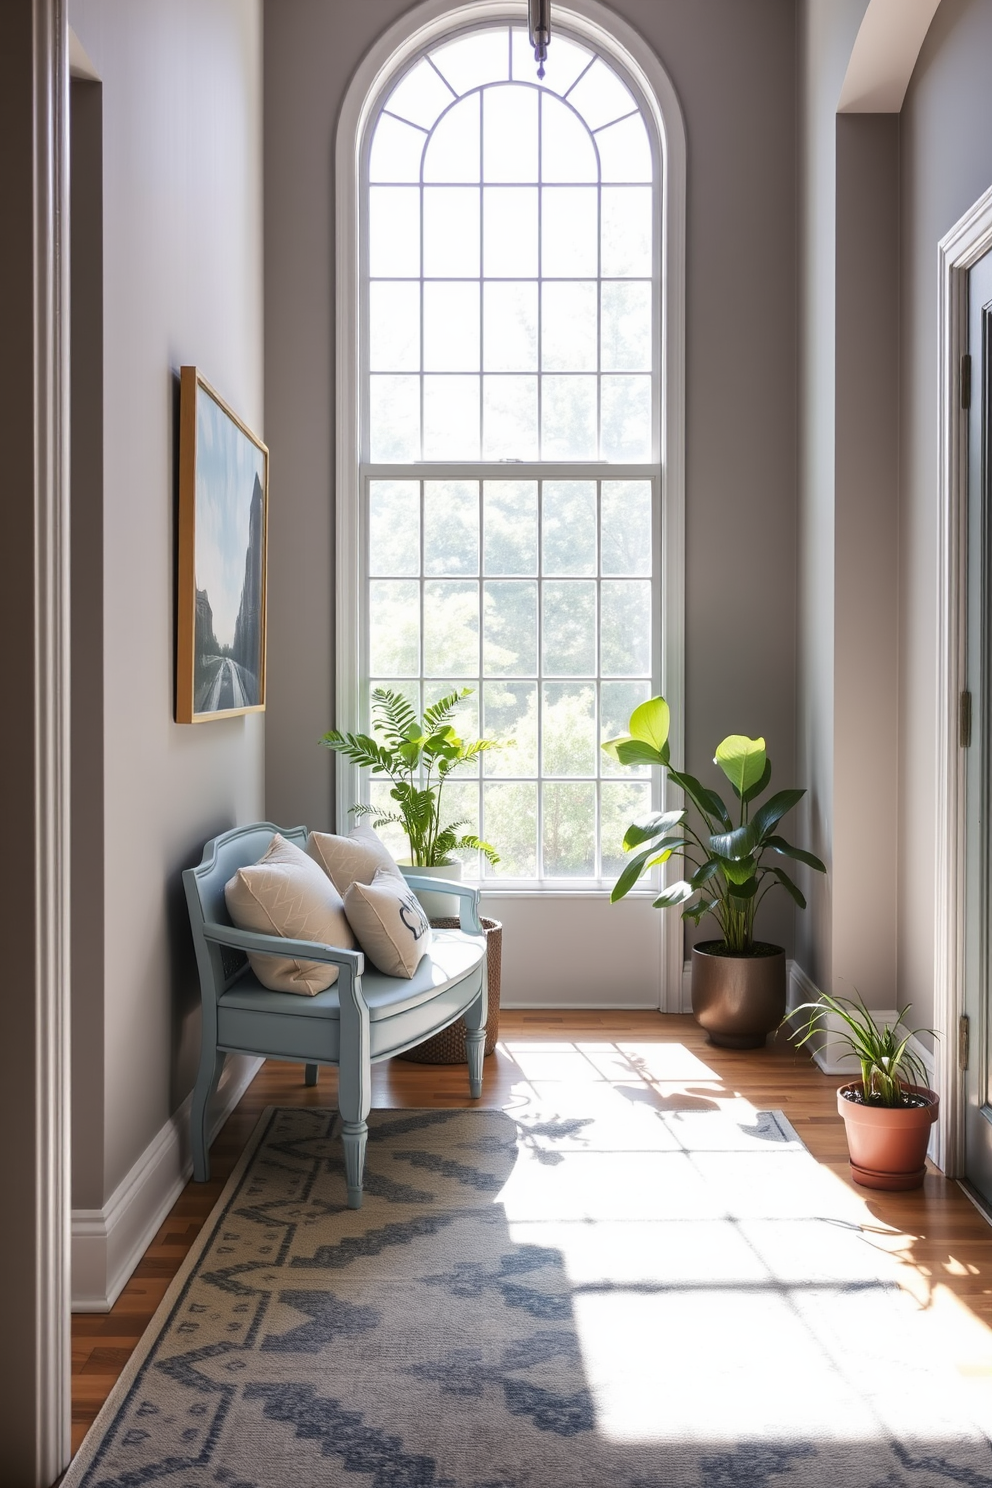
539 19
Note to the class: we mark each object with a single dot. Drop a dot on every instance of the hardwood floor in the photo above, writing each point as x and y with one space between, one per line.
940 1238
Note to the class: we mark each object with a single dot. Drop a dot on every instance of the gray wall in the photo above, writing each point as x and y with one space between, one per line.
946 127
733 67
182 203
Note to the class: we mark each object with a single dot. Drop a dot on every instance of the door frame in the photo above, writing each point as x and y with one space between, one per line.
968 240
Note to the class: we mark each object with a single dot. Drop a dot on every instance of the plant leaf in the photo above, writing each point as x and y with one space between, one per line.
779 845
628 751
646 827
650 722
737 844
706 801
745 890
760 784
737 870
676 893
794 890
742 760
772 812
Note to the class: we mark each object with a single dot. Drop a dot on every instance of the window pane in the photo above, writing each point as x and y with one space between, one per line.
626 232
511 628
561 69
451 527
394 628
509 333
568 227
453 150
451 232
393 836
569 527
626 327
451 629
420 96
568 729
509 415
568 327
480 57
626 527
510 824
621 805
570 629
394 232
569 830
510 715
394 418
567 152
451 328
510 232
394 527
511 527
464 719
509 134
460 811
624 152
394 326
617 700
568 418
396 152
451 418
625 628
626 418
600 96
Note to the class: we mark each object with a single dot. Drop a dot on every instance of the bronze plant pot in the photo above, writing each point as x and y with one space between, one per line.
739 1000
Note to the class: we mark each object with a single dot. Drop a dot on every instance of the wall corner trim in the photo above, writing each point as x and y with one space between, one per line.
108 1243
884 55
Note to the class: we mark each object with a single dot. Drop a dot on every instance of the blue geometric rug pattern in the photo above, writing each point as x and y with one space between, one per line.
624 1299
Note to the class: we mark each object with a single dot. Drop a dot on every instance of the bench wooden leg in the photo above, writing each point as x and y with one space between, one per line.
310 1074
475 1038
354 1135
211 1065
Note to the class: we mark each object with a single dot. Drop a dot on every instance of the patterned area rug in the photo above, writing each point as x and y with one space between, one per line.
622 1299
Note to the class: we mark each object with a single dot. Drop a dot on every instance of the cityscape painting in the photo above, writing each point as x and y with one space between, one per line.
223 505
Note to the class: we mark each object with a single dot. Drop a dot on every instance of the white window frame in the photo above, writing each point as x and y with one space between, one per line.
605 33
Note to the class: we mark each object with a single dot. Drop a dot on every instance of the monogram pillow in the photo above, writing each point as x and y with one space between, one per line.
284 893
389 922
352 859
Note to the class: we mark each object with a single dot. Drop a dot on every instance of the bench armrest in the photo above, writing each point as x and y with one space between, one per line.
279 945
468 910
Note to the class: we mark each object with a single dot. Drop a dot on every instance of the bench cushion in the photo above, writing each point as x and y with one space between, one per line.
452 955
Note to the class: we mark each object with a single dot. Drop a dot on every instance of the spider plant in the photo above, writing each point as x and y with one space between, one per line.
887 1063
417 755
726 874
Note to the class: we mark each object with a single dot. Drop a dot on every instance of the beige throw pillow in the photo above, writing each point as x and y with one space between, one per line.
391 926
352 859
284 893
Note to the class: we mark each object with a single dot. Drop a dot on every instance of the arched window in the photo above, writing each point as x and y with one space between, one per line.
512 459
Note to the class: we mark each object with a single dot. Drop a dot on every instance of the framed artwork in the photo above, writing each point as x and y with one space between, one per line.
223 514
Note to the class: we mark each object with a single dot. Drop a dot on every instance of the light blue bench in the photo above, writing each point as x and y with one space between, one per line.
363 1017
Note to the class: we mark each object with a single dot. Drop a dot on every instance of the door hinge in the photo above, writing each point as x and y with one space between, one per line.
966 382
964 720
964 1040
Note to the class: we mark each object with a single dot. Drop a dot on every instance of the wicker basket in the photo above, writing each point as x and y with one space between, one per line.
448 1046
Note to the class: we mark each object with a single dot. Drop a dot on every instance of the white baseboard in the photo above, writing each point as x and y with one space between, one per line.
108 1243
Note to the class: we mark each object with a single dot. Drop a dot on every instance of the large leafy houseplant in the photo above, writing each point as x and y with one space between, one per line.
726 862
417 755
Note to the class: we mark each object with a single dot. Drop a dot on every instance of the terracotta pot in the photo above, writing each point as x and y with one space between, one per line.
739 1000
888 1144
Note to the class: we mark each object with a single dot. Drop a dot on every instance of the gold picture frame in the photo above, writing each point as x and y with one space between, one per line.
223 528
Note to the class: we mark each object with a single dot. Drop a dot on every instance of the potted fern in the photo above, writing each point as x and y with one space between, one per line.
888 1113
738 981
417 756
